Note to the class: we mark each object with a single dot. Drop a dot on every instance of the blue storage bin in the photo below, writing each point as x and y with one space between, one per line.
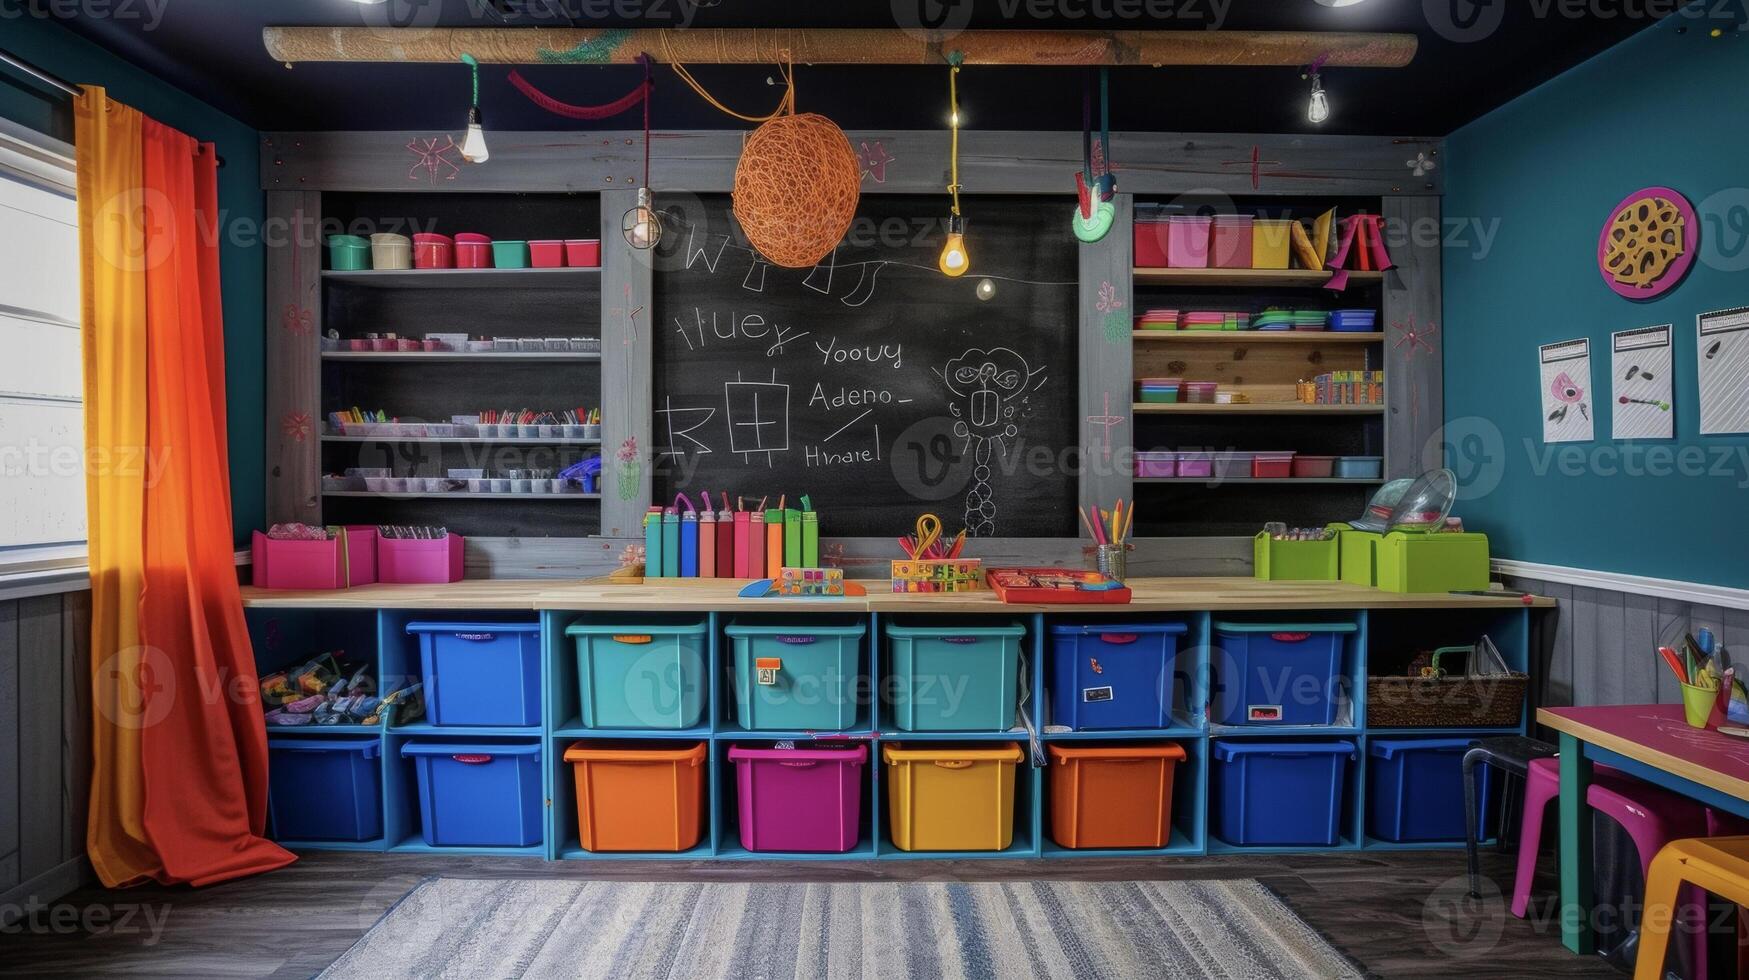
478 795
1415 789
325 789
1359 467
812 684
1273 674
641 676
480 673
1268 793
948 677
1113 675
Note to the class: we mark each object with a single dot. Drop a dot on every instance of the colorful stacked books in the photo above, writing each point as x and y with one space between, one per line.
1158 319
1157 391
1292 320
1214 320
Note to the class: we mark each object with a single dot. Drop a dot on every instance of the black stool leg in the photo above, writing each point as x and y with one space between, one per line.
1475 869
1503 823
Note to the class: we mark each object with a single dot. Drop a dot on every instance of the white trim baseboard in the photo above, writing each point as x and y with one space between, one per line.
64 578
1663 588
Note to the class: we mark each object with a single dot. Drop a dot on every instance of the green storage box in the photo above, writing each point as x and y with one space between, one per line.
952 677
348 253
1442 561
1294 561
632 676
1358 551
797 676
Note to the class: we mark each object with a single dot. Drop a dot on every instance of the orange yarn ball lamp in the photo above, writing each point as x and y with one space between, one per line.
796 188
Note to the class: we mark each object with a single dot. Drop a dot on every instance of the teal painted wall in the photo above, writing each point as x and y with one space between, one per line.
241 264
1544 170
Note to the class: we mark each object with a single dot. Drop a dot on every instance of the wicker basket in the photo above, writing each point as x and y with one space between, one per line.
1488 701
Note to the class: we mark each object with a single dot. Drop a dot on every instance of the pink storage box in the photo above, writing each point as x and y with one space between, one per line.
1156 466
799 799
1150 242
1187 241
546 254
433 251
416 561
1313 466
583 253
1231 248
473 251
334 564
1196 465
1270 466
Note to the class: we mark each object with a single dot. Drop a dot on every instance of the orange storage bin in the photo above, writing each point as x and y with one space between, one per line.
1112 796
636 797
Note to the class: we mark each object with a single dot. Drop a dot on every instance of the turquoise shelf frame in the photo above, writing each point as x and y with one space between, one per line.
285 636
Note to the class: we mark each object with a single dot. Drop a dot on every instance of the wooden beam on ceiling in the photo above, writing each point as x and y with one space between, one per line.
848 46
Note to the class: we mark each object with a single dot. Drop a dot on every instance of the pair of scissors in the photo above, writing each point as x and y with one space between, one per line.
928 533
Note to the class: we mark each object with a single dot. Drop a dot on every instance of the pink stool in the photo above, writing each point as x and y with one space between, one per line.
1652 816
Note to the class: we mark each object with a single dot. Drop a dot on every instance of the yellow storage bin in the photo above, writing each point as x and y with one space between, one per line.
1358 555
1269 243
1443 561
951 797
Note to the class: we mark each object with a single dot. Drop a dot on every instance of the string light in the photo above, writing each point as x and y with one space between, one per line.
474 143
955 260
642 224
1318 109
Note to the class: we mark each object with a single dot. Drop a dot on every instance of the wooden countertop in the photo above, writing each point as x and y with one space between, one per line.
693 595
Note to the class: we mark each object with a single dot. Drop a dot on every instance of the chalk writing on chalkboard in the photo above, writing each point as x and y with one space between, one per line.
869 381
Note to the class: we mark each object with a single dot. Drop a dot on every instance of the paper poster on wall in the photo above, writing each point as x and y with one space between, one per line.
1566 380
1722 351
1641 362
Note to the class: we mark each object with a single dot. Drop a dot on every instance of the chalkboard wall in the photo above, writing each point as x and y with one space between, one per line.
872 382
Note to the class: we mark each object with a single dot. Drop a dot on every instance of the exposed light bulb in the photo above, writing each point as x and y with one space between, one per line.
955 260
642 224
1318 109
986 289
474 144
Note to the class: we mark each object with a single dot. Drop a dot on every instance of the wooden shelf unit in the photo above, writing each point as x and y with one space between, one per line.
1253 408
1315 278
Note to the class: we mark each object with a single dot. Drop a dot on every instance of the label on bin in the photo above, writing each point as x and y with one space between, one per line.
1263 712
1092 694
767 668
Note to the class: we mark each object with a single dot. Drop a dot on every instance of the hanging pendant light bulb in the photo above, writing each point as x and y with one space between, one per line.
955 260
474 143
642 225
1318 109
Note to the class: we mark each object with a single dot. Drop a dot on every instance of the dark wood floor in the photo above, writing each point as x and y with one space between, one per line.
1399 914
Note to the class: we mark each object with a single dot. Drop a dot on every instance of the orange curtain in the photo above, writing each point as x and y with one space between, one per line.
179 781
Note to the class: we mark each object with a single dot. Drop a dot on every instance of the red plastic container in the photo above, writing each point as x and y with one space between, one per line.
1314 466
583 253
473 251
420 561
1231 248
1150 242
546 254
1272 465
334 564
433 251
801 800
1187 241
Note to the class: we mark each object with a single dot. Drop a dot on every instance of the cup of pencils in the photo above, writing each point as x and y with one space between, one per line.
1111 537
1706 691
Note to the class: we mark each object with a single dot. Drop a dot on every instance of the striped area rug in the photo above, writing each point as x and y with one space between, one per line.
449 927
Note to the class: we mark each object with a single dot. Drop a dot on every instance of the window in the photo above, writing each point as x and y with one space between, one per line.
42 440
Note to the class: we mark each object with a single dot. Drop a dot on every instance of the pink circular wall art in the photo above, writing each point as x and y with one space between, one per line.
1647 243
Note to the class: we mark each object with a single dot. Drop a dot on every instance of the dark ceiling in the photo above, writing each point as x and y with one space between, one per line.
1474 56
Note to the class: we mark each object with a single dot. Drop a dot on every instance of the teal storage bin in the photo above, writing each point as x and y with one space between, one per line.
348 253
632 676
948 677
797 677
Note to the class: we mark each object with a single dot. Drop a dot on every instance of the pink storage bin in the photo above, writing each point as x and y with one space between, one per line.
546 254
583 253
1150 243
1272 466
1187 241
1233 465
1196 465
1313 466
433 251
333 564
1231 247
473 251
1156 466
411 561
806 800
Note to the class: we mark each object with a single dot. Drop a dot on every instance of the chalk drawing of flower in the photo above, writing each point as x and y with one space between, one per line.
1421 165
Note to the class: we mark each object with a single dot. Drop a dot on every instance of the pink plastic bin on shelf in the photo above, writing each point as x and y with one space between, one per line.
1187 241
546 254
800 799
1150 242
583 253
1232 242
1156 465
433 251
422 561
332 564
473 251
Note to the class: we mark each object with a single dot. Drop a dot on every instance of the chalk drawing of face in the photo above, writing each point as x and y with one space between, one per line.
987 385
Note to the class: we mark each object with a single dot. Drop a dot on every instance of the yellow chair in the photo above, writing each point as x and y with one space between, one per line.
1719 865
